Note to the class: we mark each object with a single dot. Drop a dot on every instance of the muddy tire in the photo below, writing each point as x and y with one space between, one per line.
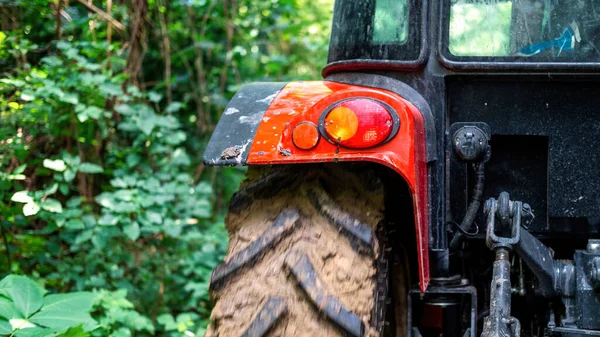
304 258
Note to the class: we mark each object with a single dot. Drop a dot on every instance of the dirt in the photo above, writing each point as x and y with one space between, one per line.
231 152
346 274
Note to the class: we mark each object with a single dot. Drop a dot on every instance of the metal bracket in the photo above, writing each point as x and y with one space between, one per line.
506 210
462 290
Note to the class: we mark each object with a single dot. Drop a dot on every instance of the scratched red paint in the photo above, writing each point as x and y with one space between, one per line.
405 153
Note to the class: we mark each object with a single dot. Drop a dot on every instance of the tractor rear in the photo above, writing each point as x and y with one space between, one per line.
442 180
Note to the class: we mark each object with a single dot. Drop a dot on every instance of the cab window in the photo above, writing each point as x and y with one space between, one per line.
536 30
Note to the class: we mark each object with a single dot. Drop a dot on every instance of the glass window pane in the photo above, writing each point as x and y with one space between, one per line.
375 30
479 29
391 22
532 30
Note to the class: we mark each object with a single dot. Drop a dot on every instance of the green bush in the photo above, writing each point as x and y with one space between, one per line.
103 195
26 310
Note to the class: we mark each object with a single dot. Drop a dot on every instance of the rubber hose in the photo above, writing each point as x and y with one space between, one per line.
473 208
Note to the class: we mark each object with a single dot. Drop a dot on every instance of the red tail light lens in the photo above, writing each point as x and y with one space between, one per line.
359 123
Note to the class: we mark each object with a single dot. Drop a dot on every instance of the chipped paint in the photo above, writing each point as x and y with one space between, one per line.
269 98
230 152
252 119
242 149
236 152
231 111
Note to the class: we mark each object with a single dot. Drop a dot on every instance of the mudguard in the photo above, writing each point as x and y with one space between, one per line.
256 128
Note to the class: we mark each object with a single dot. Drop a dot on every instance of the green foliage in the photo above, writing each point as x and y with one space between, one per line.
25 311
103 196
480 29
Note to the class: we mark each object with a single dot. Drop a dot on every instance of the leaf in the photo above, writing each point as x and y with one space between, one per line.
122 332
64 189
27 295
118 183
8 309
56 165
90 168
146 124
132 230
64 45
133 159
52 205
124 109
20 169
13 82
71 302
111 89
5 328
75 224
69 175
52 61
6 285
108 220
38 332
27 95
19 323
31 208
174 107
55 318
202 209
84 236
90 112
168 321
154 217
69 98
74 332
22 197
51 190
154 97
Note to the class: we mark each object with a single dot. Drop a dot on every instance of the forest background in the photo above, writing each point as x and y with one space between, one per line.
110 223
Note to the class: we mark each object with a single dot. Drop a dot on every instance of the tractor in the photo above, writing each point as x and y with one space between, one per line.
443 179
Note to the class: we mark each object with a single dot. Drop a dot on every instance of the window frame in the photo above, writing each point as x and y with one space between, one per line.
417 40
495 63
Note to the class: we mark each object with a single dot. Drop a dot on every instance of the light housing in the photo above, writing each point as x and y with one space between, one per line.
305 135
359 123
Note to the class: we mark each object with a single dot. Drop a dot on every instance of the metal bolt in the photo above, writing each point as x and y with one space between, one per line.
593 246
594 273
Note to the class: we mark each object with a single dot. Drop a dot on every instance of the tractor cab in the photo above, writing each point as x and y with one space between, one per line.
441 180
507 34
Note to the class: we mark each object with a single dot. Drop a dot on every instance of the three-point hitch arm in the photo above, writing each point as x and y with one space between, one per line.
576 282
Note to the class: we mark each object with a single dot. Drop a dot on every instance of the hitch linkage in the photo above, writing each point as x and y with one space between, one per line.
501 239
576 282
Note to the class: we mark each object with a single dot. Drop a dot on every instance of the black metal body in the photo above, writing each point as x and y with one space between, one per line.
544 128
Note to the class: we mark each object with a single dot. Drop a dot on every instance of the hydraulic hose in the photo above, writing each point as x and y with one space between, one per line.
473 208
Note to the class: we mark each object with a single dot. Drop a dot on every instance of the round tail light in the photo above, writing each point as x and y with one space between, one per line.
359 123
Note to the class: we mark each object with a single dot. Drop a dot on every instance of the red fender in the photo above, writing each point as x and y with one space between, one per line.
405 153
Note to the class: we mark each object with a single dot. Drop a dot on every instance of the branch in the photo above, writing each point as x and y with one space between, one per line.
167 52
57 16
103 15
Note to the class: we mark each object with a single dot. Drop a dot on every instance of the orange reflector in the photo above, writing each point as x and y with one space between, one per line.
305 135
341 123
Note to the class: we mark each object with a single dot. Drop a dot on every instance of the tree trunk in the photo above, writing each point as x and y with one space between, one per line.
137 43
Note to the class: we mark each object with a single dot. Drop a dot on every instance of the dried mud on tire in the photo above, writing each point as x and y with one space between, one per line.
302 256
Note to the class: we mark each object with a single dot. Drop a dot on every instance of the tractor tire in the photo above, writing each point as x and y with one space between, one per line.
304 257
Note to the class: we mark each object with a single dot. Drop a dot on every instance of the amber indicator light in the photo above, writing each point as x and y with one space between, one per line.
305 135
